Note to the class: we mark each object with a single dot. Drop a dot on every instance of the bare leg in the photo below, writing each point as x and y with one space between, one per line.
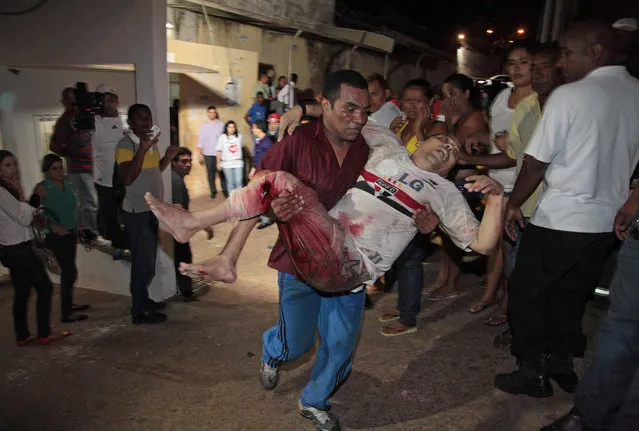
494 273
223 266
183 224
494 269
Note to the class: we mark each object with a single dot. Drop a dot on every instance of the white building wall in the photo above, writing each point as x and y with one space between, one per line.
72 32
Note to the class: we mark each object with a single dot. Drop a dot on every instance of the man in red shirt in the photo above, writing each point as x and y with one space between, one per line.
326 155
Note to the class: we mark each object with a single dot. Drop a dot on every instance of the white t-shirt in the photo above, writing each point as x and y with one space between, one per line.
589 136
287 95
500 118
108 132
377 210
386 114
231 149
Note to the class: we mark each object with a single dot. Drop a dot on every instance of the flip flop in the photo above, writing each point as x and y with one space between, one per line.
388 317
433 296
496 319
386 331
480 306
53 338
29 339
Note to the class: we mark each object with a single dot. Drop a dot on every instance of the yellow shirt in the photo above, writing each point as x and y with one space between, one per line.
525 118
411 145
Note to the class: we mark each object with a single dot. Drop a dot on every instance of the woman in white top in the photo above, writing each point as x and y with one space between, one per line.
230 158
18 255
502 168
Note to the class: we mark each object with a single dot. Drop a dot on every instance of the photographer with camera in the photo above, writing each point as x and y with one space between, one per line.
109 130
75 145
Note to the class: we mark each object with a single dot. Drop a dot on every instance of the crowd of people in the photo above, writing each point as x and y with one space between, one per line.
539 181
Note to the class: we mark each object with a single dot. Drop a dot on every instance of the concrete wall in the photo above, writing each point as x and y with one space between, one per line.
309 12
113 32
311 58
476 64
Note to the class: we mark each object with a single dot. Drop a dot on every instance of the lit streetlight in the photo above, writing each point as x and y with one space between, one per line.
461 36
490 31
521 31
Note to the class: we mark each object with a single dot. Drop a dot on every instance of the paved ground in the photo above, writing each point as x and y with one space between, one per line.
199 370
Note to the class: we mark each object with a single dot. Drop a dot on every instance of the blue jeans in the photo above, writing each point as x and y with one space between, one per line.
143 235
608 395
338 320
234 177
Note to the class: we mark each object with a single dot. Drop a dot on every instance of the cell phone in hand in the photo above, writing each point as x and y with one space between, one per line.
155 130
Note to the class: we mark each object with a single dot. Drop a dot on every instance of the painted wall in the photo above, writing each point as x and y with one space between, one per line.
311 58
113 32
198 91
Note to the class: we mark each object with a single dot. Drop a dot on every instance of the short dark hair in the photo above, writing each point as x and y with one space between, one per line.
261 125
226 127
49 160
259 93
183 151
211 107
135 108
548 48
294 77
423 84
527 44
376 77
333 83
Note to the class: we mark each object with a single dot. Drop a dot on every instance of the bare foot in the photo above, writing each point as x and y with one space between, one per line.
177 221
219 268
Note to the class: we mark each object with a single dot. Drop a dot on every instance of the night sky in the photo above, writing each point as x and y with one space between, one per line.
440 21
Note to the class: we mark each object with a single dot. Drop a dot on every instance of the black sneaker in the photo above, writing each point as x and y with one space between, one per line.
323 419
149 317
74 318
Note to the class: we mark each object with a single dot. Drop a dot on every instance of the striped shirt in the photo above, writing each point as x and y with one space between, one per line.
79 158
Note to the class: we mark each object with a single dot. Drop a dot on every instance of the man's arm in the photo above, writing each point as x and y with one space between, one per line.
531 175
169 155
461 225
247 117
130 162
490 228
492 161
65 138
626 213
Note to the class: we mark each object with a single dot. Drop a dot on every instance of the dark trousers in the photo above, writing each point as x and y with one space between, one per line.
409 273
64 248
554 277
211 170
143 237
108 219
27 271
608 395
182 253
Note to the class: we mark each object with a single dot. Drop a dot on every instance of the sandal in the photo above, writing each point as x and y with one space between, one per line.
397 329
480 306
434 296
30 338
388 317
53 338
496 319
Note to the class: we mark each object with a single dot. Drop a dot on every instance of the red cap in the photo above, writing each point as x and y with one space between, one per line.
273 118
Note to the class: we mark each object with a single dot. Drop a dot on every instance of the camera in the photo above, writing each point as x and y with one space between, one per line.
87 105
